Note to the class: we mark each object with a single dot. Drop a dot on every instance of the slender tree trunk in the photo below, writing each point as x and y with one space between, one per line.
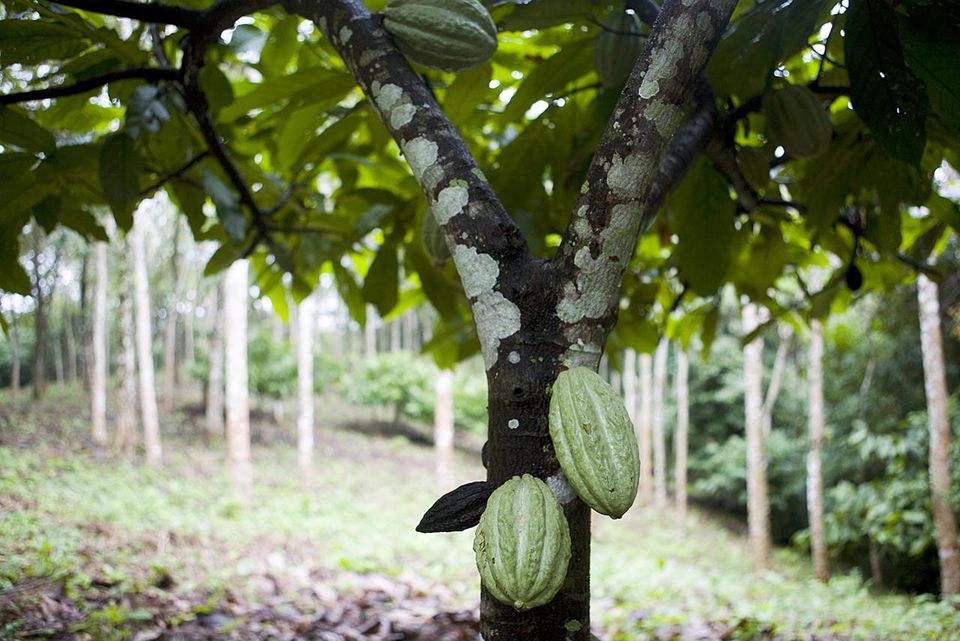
443 430
126 438
818 542
630 383
776 378
71 346
370 332
170 329
681 388
758 503
15 361
86 358
148 390
98 349
305 326
214 408
659 419
236 289
409 327
39 328
876 564
645 427
395 335
189 331
935 385
58 359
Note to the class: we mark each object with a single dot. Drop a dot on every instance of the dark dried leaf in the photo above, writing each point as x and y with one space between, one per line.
457 510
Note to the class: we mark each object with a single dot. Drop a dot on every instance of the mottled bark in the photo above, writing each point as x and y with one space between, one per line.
818 541
144 342
443 430
758 502
98 348
659 424
935 386
214 409
644 429
681 389
236 293
305 323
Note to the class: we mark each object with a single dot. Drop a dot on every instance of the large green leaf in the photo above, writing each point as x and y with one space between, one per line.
551 76
120 170
314 83
884 92
30 42
466 92
538 14
280 46
227 202
18 130
931 46
381 286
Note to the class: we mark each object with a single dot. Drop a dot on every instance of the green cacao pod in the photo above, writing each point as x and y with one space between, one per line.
797 120
443 34
523 543
594 441
617 48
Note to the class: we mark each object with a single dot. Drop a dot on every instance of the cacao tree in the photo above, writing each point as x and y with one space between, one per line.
574 214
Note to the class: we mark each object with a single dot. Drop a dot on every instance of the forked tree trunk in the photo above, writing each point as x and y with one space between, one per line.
15 360
681 388
659 427
935 386
443 429
126 437
144 341
214 407
98 349
818 542
235 288
305 387
758 502
645 429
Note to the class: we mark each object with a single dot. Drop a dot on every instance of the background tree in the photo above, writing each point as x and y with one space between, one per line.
98 351
682 389
818 542
235 301
305 329
149 412
658 421
758 502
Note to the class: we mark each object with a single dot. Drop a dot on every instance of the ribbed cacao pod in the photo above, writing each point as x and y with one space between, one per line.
617 47
523 544
443 34
457 510
594 441
797 120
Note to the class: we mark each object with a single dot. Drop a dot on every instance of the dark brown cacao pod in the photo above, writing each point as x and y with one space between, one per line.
457 510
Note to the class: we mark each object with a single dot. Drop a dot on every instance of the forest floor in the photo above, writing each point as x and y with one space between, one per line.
104 548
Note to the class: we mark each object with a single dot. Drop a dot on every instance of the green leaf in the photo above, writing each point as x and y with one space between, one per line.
84 223
120 169
20 131
539 14
227 202
886 95
190 201
381 286
702 217
467 91
30 42
216 87
281 44
551 76
930 47
46 212
351 293
146 110
221 259
314 81
13 278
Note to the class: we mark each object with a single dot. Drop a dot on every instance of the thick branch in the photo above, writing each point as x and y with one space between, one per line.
143 11
610 212
150 74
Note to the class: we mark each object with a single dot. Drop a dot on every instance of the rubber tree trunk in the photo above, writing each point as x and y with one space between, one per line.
236 293
758 502
443 429
681 388
776 378
148 390
645 428
98 347
170 328
818 542
370 332
395 345
126 437
305 326
214 406
15 361
630 384
659 424
39 327
935 385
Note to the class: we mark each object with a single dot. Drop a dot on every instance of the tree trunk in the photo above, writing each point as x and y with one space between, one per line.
58 359
644 427
39 327
935 385
630 383
86 358
214 405
758 503
876 564
15 358
71 346
395 335
126 438
443 429
818 542
370 333
98 348
305 326
776 378
170 329
236 288
148 390
189 330
680 437
659 419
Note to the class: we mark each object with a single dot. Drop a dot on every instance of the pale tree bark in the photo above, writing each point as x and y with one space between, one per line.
98 349
170 329
409 321
149 413
190 330
818 541
758 502
395 336
443 429
214 405
682 390
935 386
39 322
236 293
535 318
305 326
126 435
15 360
659 424
776 378
70 343
645 428
630 384
370 332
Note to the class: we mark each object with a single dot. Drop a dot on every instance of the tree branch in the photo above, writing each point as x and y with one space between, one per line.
150 74
175 175
143 11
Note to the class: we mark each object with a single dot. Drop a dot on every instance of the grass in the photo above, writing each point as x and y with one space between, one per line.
67 516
